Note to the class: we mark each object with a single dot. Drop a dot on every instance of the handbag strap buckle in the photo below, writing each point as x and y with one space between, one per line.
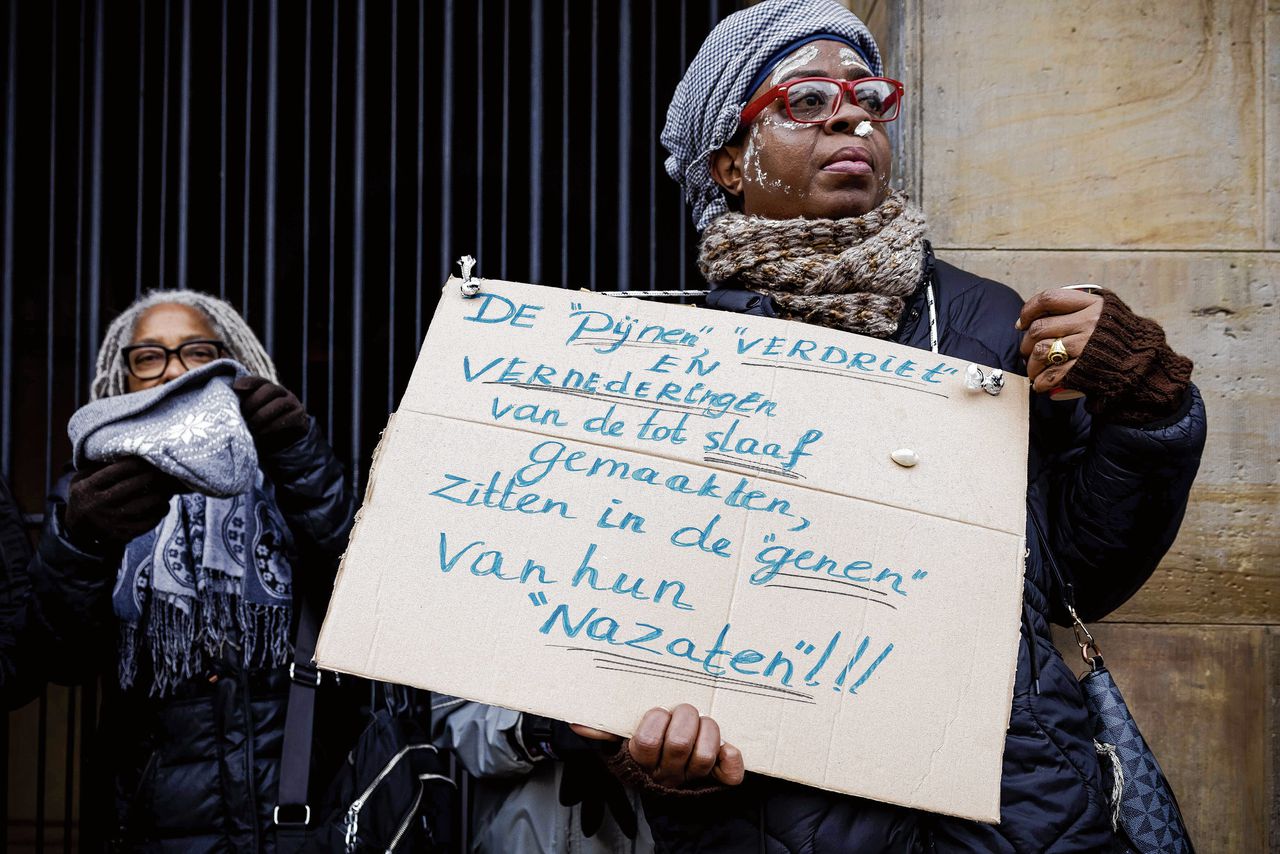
291 815
304 674
1084 640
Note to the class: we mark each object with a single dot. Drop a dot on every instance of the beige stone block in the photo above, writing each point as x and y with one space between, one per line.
876 14
1272 96
1205 700
1220 310
1114 124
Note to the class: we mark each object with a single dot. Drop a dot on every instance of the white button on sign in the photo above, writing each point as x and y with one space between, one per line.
905 457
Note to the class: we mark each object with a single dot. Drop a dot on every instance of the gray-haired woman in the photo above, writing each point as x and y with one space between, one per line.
185 600
777 136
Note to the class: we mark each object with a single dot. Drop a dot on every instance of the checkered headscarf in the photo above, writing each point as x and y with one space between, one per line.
704 110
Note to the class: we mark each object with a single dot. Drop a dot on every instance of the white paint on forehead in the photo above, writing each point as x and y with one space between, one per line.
797 59
849 56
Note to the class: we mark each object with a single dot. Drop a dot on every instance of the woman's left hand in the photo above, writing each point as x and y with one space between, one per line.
1070 315
276 417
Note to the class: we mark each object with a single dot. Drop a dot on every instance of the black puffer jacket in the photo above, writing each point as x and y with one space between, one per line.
1110 499
196 771
22 645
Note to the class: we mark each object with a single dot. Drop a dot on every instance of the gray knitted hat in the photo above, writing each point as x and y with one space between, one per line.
704 111
189 427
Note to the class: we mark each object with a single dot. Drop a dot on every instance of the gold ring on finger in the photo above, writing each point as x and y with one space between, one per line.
1057 354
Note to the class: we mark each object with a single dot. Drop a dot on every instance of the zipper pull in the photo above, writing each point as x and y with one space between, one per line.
352 825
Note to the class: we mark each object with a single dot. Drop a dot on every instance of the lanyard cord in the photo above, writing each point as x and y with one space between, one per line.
933 318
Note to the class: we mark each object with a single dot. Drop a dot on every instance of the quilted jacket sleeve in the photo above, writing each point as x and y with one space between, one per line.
20 642
313 492
1116 498
770 815
1114 495
73 593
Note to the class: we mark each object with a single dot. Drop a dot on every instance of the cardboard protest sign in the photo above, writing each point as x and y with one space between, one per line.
585 507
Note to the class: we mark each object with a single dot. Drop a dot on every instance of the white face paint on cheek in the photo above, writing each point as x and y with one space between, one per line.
792 62
777 120
749 157
752 172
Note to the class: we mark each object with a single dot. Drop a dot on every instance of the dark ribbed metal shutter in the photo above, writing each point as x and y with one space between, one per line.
321 165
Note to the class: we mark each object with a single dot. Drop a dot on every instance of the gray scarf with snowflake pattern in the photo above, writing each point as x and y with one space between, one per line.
214 579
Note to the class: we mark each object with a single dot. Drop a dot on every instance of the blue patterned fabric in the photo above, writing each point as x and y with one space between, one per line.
707 103
1149 814
216 573
189 427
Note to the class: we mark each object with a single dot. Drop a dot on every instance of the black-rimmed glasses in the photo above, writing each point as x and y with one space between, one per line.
150 361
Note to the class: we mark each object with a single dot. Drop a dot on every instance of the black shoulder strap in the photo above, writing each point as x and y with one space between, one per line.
1064 587
292 814
1084 639
741 301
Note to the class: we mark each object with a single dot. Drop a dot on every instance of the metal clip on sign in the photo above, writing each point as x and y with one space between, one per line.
976 378
469 287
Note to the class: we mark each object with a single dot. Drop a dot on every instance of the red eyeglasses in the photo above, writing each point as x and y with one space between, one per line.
812 100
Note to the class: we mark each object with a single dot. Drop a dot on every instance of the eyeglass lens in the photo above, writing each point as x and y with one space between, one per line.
817 100
147 363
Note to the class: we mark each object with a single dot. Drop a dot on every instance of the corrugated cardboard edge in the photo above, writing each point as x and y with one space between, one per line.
369 487
1016 640
1015 637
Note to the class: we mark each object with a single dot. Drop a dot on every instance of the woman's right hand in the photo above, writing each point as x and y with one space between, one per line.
678 748
116 502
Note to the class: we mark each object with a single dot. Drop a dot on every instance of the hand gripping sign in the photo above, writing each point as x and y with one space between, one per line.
584 509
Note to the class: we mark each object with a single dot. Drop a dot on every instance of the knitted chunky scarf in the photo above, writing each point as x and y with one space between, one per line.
851 274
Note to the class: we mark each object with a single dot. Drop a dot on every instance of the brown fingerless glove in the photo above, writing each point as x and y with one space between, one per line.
1127 370
629 771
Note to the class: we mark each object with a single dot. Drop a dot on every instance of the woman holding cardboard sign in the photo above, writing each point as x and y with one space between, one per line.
777 136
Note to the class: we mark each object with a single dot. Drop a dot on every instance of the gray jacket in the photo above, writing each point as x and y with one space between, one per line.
515 807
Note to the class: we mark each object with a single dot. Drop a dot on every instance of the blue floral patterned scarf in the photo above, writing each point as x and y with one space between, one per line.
213 580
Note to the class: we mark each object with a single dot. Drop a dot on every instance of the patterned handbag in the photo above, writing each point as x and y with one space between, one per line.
1143 807
1144 810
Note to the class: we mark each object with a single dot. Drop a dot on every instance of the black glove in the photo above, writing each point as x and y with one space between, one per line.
275 416
584 779
551 738
112 504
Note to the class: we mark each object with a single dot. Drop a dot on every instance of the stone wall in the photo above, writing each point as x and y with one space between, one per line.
1126 143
